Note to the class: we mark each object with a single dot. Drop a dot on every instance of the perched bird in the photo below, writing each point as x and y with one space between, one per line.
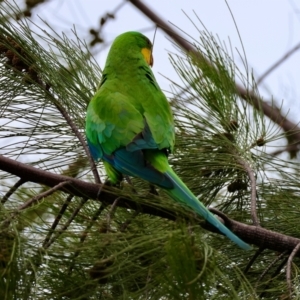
130 126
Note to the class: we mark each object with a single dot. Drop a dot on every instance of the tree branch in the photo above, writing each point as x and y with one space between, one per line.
279 62
84 234
57 219
67 224
273 276
110 214
279 257
262 237
255 256
251 234
12 190
289 267
252 178
45 194
77 187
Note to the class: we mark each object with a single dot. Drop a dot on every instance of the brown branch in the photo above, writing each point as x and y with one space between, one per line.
45 194
262 237
67 224
57 219
279 62
255 256
84 234
77 187
270 111
124 226
97 33
188 47
258 236
29 7
111 213
91 223
12 190
277 271
288 148
32 201
252 178
268 268
289 267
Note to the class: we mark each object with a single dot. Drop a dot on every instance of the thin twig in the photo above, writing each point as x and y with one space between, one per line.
85 233
255 256
110 213
288 148
124 226
279 62
45 194
67 224
81 139
12 190
277 271
268 268
91 223
32 201
103 20
288 269
127 178
57 219
252 178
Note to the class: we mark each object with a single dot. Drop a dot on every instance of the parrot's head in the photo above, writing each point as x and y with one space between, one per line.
133 45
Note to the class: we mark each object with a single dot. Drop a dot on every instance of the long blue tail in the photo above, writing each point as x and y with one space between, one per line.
182 194
159 172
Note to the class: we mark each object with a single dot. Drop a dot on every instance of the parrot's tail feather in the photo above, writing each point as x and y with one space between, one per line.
182 194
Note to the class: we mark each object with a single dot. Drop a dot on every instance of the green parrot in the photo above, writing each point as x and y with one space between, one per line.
130 125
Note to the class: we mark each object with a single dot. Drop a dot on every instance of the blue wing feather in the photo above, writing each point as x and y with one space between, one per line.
143 140
96 150
133 163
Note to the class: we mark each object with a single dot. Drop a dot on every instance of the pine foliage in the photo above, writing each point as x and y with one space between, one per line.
67 247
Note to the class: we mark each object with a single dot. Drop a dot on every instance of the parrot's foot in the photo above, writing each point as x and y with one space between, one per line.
110 183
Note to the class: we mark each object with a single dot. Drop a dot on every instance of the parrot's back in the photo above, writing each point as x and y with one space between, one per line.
130 125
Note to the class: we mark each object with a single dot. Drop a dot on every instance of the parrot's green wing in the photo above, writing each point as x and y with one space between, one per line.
105 131
129 109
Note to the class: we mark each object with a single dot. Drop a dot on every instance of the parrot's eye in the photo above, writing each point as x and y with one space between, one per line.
149 44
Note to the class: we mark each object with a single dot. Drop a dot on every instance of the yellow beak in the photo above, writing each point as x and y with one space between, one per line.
147 53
